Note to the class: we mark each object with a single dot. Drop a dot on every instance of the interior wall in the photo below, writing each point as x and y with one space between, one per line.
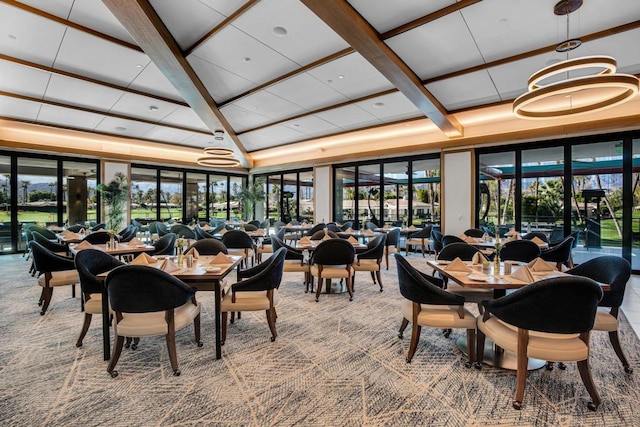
457 198
322 191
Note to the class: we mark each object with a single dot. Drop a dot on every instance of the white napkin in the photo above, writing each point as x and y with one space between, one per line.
523 274
221 259
539 264
457 265
194 252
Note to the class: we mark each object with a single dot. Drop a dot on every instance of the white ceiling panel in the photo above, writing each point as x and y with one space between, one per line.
18 108
241 119
69 118
442 46
198 140
224 7
160 133
308 92
465 91
138 106
511 79
125 128
268 104
269 137
22 80
185 116
59 8
627 56
74 91
359 77
188 20
307 37
311 126
240 54
151 80
19 40
386 15
95 15
393 106
97 58
220 83
348 117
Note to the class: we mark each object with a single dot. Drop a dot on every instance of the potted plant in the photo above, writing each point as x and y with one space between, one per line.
250 196
114 195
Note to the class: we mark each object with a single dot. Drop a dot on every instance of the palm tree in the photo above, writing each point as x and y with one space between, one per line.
250 196
51 185
25 191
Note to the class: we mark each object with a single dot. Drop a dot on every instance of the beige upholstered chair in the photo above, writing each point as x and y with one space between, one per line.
332 259
54 270
294 260
370 260
419 239
427 304
391 244
239 243
149 302
549 320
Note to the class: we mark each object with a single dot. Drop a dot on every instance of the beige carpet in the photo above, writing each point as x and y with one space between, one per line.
335 363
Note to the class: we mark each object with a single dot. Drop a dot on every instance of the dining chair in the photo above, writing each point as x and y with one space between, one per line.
257 224
519 250
560 253
48 234
97 237
257 290
332 259
370 260
166 245
183 231
250 227
56 248
448 239
54 271
538 234
313 230
436 240
202 234
391 244
149 302
89 263
319 235
209 246
550 320
419 239
99 226
427 304
294 260
128 233
239 243
76 228
614 271
474 232
266 246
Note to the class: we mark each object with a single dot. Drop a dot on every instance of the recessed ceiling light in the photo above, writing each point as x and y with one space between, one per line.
138 65
341 76
279 31
379 104
12 37
153 108
121 128
247 59
329 81
295 125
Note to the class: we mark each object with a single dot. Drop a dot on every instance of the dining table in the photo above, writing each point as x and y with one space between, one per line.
202 275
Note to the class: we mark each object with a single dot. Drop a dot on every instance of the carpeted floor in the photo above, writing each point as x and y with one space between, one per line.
335 363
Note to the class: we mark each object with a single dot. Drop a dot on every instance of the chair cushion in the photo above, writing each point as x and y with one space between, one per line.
248 301
61 278
417 242
366 265
94 305
605 321
240 252
331 271
545 346
295 265
265 249
150 324
439 316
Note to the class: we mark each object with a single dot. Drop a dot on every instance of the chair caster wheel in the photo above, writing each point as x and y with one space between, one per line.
134 346
42 313
592 406
221 342
408 360
40 304
113 374
351 299
127 345
317 300
176 373
562 366
468 365
79 344
400 336
517 405
200 344
549 366
628 369
273 339
477 365
380 290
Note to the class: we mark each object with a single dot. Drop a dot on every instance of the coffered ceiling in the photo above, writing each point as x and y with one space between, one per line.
295 81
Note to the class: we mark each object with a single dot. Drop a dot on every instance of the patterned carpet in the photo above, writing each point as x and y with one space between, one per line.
335 363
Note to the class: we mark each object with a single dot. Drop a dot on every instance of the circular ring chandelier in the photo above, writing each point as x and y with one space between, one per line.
218 161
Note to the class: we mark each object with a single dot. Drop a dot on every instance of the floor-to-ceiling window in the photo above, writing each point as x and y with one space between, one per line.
236 184
196 192
368 188
290 197
217 197
305 181
395 200
634 198
5 204
144 188
79 181
425 178
345 200
496 190
171 195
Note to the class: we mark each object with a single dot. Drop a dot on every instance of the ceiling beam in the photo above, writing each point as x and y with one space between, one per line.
356 31
148 30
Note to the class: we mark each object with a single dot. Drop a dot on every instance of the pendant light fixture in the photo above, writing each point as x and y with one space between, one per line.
218 156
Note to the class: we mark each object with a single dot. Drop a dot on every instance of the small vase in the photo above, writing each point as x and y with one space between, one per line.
180 257
496 264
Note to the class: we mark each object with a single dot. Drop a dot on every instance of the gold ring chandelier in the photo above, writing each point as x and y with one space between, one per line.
218 156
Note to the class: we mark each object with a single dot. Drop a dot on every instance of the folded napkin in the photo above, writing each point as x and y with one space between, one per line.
224 230
523 274
304 241
539 264
67 233
469 239
194 252
206 227
99 229
457 265
486 236
221 259
463 236
478 259
135 242
386 226
368 232
289 225
512 232
352 240
326 237
83 245
259 232
412 227
169 266
349 230
144 259
537 240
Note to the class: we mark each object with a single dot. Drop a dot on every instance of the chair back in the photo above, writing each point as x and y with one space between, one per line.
54 247
333 252
612 270
250 227
128 233
562 305
519 250
424 233
165 245
461 250
237 239
97 227
76 228
556 236
560 252
319 235
90 263
291 253
46 261
265 276
538 234
347 225
313 230
436 239
370 225
255 223
474 232
393 236
44 231
334 227
208 246
417 288
450 238
375 248
144 289
97 237
202 234
182 230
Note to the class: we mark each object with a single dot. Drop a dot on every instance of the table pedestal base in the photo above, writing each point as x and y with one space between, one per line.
500 359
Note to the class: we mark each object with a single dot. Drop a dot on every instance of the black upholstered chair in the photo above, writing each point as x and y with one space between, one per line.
294 259
614 271
427 304
370 260
332 259
54 270
461 250
347 225
560 253
257 290
183 231
465 252
549 320
45 232
202 234
100 226
391 244
148 302
313 230
474 232
89 263
448 239
436 240
128 233
97 237
538 234
257 224
56 248
319 235
519 250
251 227
76 228
166 245
239 243
209 246
419 239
